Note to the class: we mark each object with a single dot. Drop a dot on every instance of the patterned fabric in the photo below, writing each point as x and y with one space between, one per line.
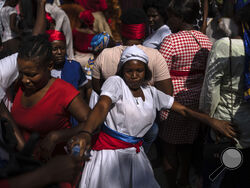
89 68
100 41
186 60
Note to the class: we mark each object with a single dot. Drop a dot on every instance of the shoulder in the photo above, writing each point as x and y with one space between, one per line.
73 63
149 51
115 79
60 84
113 50
110 54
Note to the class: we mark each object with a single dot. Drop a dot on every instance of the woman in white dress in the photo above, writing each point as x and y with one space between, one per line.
127 105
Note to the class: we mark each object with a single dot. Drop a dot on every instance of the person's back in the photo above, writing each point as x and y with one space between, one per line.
107 62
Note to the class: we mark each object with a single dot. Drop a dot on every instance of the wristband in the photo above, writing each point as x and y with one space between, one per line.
87 132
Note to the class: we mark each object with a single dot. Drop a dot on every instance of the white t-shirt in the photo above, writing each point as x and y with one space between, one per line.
154 40
8 74
5 13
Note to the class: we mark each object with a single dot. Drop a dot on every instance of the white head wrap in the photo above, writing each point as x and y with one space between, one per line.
133 53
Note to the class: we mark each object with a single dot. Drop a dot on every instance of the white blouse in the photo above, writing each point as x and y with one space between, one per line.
130 115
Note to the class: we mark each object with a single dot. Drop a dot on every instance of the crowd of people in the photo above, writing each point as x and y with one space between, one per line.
85 94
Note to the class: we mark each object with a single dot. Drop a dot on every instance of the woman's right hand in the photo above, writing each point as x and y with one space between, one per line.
83 140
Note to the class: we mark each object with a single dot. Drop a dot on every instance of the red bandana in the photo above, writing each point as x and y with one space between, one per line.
133 31
55 35
87 17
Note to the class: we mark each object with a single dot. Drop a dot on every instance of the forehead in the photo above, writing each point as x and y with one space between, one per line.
134 64
33 64
58 43
152 11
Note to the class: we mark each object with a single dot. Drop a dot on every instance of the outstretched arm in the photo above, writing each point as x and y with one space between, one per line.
96 117
224 127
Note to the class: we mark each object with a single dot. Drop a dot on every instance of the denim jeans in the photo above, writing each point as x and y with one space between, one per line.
150 137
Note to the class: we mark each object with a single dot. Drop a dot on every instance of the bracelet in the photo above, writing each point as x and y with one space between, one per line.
87 132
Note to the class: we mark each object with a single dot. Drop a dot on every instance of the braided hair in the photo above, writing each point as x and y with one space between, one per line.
36 48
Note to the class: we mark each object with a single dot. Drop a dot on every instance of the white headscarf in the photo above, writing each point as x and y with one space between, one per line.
133 53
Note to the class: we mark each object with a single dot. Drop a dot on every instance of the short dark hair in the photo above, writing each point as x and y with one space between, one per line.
187 10
36 48
159 5
148 73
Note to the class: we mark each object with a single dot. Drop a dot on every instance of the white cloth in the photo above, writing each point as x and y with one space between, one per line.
8 71
5 13
132 116
62 24
8 74
154 40
133 53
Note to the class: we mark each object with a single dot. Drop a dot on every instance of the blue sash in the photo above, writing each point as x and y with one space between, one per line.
120 136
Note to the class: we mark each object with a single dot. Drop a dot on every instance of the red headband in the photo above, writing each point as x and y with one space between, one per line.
55 35
133 31
87 17
49 18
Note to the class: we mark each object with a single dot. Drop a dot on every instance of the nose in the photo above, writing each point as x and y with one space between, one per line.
25 80
59 51
150 19
134 75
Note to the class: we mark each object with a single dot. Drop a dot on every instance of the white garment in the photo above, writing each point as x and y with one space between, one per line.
5 13
62 24
8 74
124 168
154 40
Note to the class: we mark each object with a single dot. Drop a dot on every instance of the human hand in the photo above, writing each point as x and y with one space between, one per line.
63 168
83 140
224 127
47 146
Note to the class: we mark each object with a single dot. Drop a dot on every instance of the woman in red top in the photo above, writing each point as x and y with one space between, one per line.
44 104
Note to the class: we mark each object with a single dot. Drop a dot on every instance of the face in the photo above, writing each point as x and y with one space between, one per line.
33 77
134 73
154 18
59 53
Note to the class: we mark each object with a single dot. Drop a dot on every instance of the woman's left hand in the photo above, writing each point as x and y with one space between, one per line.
224 127
47 146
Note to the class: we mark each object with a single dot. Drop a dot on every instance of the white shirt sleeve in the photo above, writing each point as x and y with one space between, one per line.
161 100
8 71
112 88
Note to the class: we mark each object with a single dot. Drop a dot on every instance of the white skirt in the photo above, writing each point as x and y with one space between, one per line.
122 168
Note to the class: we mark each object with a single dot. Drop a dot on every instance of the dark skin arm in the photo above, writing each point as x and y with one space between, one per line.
6 114
166 86
102 108
79 110
205 14
13 25
63 168
40 24
224 127
97 85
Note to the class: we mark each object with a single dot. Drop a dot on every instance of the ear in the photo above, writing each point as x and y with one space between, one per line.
50 65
